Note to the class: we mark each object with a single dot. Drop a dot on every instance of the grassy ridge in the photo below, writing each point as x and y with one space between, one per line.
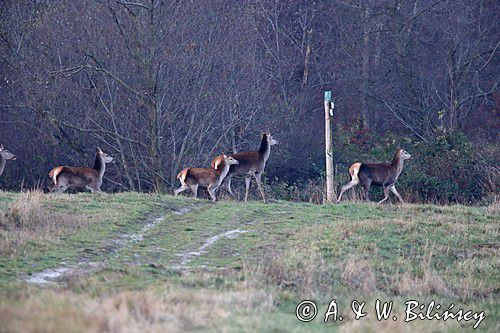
242 266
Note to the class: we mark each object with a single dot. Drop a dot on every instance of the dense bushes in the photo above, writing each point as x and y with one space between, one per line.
446 169
449 169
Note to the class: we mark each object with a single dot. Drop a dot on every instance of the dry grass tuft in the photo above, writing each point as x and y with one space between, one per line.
178 309
301 270
168 309
426 283
359 275
30 218
494 206
49 311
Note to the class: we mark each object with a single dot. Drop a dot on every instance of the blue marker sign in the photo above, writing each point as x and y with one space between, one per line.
328 96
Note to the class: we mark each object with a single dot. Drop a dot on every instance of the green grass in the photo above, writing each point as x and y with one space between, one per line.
253 280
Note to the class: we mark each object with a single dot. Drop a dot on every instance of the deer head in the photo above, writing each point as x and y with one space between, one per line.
6 154
105 157
403 154
228 160
270 139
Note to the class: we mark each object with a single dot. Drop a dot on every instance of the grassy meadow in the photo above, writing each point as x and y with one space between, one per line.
148 262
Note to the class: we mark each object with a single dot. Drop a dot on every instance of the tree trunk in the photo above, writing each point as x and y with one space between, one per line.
365 70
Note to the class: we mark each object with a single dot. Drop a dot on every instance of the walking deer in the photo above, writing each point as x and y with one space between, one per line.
191 178
252 164
4 156
380 174
65 177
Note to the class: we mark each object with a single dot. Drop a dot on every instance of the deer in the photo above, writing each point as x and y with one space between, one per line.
252 164
65 177
211 178
4 156
379 174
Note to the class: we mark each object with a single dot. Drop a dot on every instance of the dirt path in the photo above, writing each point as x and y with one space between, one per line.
114 246
118 245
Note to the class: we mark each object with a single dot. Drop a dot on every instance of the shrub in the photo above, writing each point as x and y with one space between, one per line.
29 218
446 169
449 169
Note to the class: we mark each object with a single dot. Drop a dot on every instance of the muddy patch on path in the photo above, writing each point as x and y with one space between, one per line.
113 247
187 257
52 275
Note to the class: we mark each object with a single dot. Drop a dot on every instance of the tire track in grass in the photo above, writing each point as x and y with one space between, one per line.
188 256
51 276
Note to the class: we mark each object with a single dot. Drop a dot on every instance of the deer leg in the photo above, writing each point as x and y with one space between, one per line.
194 189
386 193
62 189
258 179
367 191
393 190
349 185
247 186
181 189
229 187
211 191
93 189
61 186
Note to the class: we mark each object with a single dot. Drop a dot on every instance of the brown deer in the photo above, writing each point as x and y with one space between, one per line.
191 178
65 177
4 156
252 164
380 174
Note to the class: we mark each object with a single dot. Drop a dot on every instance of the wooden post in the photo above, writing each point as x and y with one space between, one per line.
330 197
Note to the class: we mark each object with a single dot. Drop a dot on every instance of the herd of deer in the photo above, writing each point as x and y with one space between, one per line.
223 168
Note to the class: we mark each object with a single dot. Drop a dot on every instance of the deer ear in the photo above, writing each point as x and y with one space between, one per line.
1 147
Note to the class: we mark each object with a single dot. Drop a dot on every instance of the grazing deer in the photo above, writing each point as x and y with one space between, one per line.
81 177
5 155
380 174
252 164
191 178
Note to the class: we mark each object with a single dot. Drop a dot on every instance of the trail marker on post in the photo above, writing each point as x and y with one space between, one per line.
329 105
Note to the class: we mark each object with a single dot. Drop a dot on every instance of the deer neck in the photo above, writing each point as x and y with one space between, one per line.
2 164
397 164
99 166
265 148
223 172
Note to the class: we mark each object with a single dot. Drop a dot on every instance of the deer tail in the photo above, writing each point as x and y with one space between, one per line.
54 173
182 175
354 170
217 161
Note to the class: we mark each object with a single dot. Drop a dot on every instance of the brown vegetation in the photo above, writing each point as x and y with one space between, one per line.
30 218
165 309
170 83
